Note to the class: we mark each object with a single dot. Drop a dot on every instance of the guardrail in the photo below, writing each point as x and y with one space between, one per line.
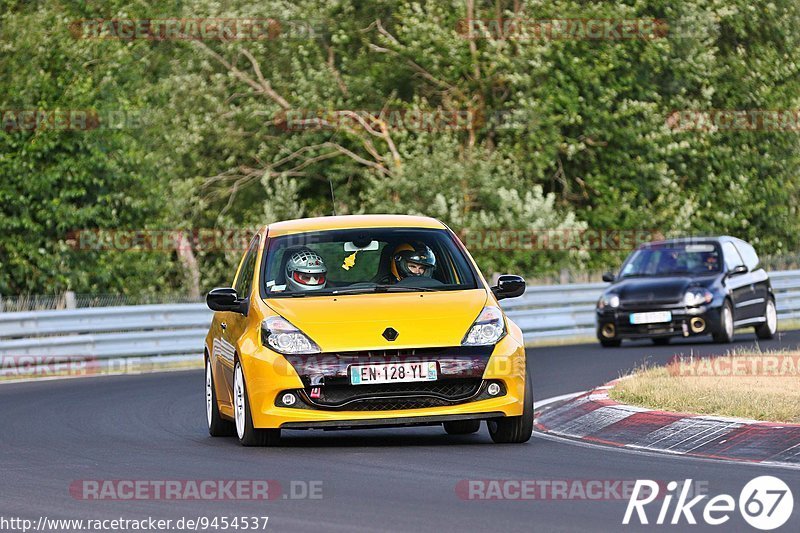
106 332
144 330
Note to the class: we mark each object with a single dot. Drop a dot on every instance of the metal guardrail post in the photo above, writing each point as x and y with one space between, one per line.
69 300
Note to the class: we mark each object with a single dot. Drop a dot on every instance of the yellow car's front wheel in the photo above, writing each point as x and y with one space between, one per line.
515 429
248 435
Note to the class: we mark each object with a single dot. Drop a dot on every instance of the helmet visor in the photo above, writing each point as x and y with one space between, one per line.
312 279
417 269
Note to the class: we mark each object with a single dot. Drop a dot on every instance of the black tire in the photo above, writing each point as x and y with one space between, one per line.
248 435
515 429
725 332
462 427
615 343
661 341
217 426
768 329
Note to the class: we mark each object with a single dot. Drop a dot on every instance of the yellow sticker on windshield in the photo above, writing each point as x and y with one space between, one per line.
350 260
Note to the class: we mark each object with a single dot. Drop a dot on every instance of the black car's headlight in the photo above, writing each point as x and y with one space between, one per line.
608 300
283 337
487 329
695 297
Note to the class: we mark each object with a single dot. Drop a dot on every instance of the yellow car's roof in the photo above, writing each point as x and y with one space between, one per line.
303 225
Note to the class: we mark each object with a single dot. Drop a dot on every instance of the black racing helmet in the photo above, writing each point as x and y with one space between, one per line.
413 253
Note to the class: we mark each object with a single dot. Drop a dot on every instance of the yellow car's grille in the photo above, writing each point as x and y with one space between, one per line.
449 390
394 396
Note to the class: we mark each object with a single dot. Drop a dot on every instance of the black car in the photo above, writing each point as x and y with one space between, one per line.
687 287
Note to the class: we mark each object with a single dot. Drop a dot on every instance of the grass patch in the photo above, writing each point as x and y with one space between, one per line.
759 386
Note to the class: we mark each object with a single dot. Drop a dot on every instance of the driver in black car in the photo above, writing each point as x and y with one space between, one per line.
412 260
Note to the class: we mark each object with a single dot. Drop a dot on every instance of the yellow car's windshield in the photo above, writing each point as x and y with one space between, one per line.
365 260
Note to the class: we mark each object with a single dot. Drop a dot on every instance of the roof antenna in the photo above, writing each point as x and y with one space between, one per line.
333 198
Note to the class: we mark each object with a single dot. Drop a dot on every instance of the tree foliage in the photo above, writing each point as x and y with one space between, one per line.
561 134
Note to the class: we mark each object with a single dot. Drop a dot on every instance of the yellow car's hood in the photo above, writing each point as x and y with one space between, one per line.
357 321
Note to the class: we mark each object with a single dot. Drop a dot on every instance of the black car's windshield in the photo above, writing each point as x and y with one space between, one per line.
368 260
674 259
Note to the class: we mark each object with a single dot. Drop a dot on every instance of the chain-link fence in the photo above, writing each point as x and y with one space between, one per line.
71 300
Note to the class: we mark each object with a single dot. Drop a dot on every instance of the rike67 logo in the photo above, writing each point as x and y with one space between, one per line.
765 503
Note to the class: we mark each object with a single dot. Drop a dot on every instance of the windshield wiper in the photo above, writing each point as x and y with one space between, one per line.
402 288
382 288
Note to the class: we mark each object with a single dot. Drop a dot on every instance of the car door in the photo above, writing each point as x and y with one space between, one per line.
739 286
232 324
758 278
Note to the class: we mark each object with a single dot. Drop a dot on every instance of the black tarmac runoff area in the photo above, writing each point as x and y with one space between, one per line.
150 428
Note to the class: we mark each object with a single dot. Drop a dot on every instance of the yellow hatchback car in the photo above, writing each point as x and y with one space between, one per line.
363 321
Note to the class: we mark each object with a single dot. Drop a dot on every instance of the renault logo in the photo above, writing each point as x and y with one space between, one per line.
390 334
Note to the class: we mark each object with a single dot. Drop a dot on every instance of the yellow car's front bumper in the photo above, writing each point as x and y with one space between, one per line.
268 374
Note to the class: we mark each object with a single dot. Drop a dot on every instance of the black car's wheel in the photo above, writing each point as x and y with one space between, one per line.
661 341
248 435
770 326
515 429
725 332
462 427
615 343
217 426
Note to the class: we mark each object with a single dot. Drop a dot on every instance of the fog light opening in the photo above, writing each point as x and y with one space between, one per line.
608 331
493 389
289 399
697 324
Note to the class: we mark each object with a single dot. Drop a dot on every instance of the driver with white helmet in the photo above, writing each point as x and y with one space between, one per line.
305 271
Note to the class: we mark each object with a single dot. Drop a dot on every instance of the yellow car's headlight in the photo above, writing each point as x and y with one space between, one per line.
283 337
487 329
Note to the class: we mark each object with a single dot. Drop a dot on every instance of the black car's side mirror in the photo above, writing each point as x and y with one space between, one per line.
609 276
741 269
225 299
508 286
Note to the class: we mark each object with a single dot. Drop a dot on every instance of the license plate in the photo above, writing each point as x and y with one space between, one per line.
393 373
653 317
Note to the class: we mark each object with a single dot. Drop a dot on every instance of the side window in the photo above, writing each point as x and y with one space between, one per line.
244 281
732 258
749 255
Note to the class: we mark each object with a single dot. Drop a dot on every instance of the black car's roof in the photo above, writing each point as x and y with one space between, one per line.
719 239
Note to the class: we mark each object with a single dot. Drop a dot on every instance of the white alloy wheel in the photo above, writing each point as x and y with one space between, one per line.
238 400
772 317
727 321
209 393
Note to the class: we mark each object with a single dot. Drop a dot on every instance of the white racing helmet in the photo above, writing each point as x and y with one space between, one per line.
305 271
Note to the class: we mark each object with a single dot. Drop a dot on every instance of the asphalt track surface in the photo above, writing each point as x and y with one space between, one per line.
152 427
